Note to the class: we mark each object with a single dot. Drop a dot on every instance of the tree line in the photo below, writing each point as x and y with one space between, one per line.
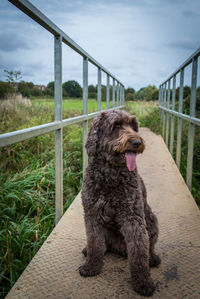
72 89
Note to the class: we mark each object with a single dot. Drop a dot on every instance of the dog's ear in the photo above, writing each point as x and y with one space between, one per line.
94 135
134 123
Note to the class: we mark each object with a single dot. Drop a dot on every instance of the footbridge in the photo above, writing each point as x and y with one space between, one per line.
53 272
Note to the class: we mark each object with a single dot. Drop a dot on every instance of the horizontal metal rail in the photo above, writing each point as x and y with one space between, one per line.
191 119
166 113
183 65
59 123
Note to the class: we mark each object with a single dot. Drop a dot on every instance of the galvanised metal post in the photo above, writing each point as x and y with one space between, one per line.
180 121
161 101
191 126
117 93
159 96
59 132
99 91
108 92
164 113
113 93
172 116
123 95
167 115
85 110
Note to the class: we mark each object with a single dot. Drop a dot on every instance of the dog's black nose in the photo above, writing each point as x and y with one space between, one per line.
136 142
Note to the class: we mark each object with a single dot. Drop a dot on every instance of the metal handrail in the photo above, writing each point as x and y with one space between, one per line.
59 123
168 110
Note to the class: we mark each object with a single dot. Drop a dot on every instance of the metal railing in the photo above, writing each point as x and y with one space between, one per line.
59 123
167 108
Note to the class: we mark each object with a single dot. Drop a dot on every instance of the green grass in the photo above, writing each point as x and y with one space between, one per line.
72 105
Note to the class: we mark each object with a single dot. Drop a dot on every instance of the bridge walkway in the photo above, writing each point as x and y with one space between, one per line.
53 272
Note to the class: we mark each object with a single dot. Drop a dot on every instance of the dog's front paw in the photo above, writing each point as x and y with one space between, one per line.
154 260
89 270
144 288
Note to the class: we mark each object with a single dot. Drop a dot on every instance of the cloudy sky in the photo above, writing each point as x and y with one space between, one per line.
140 41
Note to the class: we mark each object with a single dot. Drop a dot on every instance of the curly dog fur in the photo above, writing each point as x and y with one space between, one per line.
117 216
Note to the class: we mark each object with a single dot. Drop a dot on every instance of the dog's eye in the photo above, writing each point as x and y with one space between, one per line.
117 125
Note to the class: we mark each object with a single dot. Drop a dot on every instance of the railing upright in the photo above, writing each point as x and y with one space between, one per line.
172 116
108 92
180 121
59 132
99 91
117 93
167 116
191 126
85 110
113 93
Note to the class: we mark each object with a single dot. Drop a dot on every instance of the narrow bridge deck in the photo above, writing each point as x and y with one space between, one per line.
53 273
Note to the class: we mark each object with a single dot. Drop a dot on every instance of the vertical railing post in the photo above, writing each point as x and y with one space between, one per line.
85 110
58 133
164 114
117 93
159 96
123 95
120 98
172 117
167 115
99 91
180 121
108 92
191 126
161 101
113 93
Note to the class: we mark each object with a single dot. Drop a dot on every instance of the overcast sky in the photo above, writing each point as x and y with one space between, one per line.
140 41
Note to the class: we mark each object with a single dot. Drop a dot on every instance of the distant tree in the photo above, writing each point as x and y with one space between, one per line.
50 85
72 89
129 94
186 91
92 88
13 77
25 88
92 92
149 93
5 90
50 89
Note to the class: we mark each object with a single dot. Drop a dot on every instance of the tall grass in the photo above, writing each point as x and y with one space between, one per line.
27 188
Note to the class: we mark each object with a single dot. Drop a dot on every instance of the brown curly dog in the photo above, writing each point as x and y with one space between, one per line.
117 216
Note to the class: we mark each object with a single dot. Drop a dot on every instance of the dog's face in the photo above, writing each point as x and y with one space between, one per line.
114 137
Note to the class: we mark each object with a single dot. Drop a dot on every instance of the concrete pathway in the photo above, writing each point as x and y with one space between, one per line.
53 272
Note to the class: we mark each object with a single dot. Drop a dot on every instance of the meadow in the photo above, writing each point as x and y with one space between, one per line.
27 183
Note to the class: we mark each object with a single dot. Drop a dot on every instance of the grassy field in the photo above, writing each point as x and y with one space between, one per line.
27 183
74 106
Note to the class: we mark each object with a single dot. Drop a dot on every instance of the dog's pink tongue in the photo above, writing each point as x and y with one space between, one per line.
130 161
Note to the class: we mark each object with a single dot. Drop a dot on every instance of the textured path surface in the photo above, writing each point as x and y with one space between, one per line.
53 273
